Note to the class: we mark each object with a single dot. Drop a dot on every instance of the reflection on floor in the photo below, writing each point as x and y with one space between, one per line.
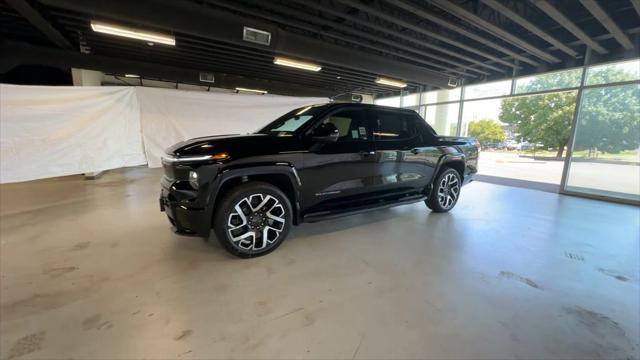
91 270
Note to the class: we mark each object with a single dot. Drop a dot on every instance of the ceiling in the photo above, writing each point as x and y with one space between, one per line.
427 44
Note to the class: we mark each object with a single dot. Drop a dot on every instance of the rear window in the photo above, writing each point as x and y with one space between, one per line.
394 126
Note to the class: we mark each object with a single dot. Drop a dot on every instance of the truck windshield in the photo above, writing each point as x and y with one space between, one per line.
292 121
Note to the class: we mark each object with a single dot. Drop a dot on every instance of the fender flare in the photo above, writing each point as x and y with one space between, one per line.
280 168
446 159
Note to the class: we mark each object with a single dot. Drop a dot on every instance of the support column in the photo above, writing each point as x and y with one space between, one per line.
442 114
83 77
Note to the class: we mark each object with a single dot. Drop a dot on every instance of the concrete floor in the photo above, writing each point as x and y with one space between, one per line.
90 270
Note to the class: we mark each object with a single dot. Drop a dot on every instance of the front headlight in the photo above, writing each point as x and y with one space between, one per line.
193 179
170 159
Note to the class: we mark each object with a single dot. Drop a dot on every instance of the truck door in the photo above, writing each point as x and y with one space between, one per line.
403 154
335 174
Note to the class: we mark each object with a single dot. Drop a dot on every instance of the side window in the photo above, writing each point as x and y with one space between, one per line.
394 126
350 124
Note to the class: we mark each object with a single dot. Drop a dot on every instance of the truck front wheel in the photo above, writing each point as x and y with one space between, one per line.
252 219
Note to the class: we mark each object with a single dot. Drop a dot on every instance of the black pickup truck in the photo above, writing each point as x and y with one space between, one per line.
311 164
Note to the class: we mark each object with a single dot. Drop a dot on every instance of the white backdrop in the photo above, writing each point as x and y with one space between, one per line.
48 131
56 131
170 116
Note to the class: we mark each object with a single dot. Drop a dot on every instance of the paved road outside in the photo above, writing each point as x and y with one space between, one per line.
602 177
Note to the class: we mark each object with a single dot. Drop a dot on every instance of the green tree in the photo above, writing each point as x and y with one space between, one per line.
608 120
486 131
544 119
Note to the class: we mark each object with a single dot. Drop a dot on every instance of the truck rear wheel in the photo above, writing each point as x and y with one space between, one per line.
445 192
252 219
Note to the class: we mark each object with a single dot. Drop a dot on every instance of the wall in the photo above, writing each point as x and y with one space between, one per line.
48 131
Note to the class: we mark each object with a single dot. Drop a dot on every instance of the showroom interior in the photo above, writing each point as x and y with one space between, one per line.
540 258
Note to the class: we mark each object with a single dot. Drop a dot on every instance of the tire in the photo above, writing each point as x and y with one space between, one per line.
445 192
252 219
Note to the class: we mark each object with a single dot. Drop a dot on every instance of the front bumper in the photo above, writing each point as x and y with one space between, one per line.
183 219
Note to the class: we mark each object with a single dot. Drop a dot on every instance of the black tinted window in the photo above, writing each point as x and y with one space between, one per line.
394 126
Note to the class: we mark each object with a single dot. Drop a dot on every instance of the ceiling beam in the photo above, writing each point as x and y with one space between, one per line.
459 29
420 43
636 5
76 24
263 69
564 21
485 25
296 14
39 22
21 53
194 19
513 16
395 20
608 23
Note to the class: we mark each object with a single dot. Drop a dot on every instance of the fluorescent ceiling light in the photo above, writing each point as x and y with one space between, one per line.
251 90
131 75
303 110
391 82
132 33
296 64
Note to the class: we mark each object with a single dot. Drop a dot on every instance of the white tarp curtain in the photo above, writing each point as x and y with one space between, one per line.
48 131
170 116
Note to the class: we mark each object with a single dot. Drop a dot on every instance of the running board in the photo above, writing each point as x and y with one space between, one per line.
326 215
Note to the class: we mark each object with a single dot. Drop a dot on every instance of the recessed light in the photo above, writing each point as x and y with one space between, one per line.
131 75
296 64
128 32
391 82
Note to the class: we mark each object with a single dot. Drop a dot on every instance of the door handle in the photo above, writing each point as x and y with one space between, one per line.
367 153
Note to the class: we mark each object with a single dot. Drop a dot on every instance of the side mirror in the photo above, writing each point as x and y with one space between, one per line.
326 132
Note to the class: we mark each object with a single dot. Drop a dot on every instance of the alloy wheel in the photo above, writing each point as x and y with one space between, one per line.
448 190
256 222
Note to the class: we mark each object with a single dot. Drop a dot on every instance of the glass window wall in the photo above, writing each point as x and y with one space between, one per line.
445 95
443 118
497 88
531 132
549 81
605 159
614 72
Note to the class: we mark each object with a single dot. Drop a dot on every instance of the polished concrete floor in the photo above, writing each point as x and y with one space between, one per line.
90 270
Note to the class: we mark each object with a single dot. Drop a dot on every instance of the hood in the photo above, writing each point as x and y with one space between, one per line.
235 145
